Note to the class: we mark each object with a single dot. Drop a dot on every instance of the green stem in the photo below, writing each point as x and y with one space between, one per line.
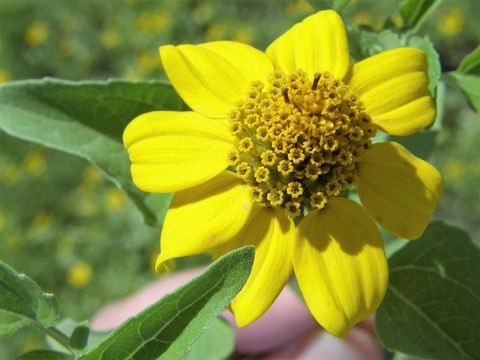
60 337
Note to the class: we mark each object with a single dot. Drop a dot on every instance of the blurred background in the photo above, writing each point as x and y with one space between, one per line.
66 226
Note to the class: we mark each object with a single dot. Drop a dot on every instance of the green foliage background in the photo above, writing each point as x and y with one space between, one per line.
76 234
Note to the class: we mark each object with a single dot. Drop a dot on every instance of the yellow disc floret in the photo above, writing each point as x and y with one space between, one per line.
298 140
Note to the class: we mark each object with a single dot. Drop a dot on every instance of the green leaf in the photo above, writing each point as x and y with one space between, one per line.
416 12
339 5
85 119
471 63
421 144
372 43
431 306
469 85
45 355
167 329
216 343
434 66
79 337
22 302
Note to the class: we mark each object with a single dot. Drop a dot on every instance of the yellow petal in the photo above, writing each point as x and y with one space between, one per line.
172 151
204 217
272 233
393 85
211 77
398 189
318 43
340 265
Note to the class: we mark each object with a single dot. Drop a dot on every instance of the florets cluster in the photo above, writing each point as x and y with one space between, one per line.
298 140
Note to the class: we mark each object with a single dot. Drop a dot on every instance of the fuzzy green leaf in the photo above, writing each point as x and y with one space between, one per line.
22 302
434 66
167 329
85 119
471 63
431 306
372 43
216 343
469 85
416 12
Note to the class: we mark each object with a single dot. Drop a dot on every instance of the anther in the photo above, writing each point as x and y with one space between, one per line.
316 79
285 95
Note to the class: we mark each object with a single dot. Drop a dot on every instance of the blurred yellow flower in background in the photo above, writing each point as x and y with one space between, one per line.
451 22
65 48
35 163
12 174
147 61
110 38
454 169
115 200
154 22
298 7
4 76
15 239
42 220
85 206
80 274
36 34
2 222
216 32
363 18
244 35
91 178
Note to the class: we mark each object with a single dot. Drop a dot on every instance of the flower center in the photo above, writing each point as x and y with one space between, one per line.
298 140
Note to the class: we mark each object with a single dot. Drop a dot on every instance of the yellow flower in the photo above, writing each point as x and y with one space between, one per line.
42 220
363 18
454 169
91 179
151 23
313 107
243 34
36 34
298 7
2 222
114 200
216 32
35 163
147 62
65 48
110 38
4 76
12 174
451 23
80 274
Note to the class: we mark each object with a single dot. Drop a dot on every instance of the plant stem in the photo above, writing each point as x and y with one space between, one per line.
60 337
